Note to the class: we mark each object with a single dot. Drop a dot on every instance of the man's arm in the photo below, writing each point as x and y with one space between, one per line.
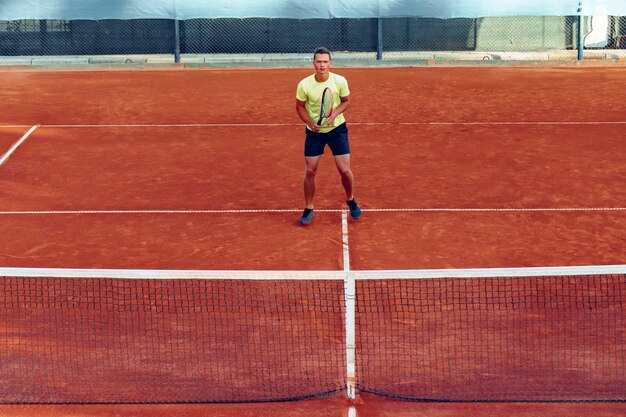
304 115
343 106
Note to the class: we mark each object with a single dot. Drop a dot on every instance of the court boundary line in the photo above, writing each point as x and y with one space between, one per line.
278 211
345 242
356 123
350 305
17 144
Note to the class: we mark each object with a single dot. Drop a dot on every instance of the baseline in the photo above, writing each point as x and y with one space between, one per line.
356 123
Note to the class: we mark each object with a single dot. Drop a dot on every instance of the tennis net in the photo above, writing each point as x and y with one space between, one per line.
129 336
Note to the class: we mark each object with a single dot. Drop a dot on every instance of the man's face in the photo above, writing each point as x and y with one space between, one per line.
321 63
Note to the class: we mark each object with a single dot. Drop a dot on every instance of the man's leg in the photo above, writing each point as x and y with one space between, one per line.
311 165
347 179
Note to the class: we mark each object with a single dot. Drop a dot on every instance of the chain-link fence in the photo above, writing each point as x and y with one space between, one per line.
385 38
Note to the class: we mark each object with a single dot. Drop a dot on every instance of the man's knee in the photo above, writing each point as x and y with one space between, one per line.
311 171
344 171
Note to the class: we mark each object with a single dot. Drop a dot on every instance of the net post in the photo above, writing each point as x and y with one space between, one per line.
581 32
176 41
350 295
379 39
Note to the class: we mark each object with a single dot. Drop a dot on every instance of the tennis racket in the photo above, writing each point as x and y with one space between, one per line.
327 105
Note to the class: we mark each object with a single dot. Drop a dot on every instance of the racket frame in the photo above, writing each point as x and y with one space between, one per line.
328 93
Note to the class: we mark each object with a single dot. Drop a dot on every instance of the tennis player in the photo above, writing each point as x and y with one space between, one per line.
332 130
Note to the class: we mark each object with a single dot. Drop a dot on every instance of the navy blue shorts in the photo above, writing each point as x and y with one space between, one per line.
337 140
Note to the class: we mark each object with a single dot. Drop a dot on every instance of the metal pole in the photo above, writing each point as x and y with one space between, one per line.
43 37
176 42
379 40
581 20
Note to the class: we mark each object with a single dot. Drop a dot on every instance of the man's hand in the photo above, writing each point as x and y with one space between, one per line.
314 127
304 115
345 103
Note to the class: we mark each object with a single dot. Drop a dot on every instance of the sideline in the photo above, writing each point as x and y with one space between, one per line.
17 144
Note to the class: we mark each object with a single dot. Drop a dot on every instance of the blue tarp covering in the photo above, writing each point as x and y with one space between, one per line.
298 9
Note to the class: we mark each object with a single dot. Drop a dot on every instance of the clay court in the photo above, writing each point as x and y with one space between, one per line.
201 169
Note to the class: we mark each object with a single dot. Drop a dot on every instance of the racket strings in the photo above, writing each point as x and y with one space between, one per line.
327 105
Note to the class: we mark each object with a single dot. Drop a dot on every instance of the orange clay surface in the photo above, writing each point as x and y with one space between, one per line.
422 138
240 147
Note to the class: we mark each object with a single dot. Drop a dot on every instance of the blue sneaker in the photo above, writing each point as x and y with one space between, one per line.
355 210
307 216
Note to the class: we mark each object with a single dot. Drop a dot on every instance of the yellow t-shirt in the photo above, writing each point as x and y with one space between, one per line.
310 90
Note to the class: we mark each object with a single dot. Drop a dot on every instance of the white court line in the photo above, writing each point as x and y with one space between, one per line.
519 123
496 209
52 126
350 301
444 123
391 210
17 144
35 212
344 235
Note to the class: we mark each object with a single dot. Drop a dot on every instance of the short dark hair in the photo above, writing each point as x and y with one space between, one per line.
321 50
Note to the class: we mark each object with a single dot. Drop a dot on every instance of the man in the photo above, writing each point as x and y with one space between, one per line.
332 131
